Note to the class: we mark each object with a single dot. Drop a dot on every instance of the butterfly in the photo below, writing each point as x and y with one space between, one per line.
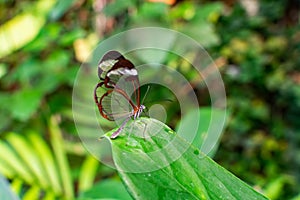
119 80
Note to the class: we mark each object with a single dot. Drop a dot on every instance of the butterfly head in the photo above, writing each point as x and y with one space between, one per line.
138 111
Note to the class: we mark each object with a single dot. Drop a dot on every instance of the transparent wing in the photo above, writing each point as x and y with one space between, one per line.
118 96
115 105
129 83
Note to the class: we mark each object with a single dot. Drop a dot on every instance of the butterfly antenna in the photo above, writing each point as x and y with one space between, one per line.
161 100
148 88
146 112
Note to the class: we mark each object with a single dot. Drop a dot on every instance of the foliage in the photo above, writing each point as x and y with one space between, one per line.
44 42
263 96
42 170
192 176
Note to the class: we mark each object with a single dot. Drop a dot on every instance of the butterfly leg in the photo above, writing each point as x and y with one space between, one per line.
144 130
130 132
117 132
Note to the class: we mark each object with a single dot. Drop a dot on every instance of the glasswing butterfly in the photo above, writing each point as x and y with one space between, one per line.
119 80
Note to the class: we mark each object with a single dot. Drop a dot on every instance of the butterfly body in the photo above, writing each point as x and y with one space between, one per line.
116 74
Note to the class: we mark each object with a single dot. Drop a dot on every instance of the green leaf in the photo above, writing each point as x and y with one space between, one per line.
16 167
209 11
47 162
88 173
68 38
5 117
147 168
28 23
152 11
31 172
16 185
107 189
275 188
61 157
26 71
60 8
209 121
117 7
296 197
28 157
202 32
32 193
185 10
3 69
25 103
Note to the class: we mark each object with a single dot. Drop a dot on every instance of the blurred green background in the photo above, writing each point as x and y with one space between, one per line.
255 44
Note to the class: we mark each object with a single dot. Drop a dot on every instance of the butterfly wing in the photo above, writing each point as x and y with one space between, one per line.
128 82
115 106
110 63
107 62
120 82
